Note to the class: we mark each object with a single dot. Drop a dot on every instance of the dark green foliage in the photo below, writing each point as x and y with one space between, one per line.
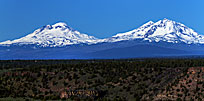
127 79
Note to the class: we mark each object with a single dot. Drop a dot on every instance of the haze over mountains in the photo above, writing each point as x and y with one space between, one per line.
59 41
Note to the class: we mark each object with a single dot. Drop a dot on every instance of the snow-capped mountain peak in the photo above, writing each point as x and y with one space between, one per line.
58 34
163 30
171 31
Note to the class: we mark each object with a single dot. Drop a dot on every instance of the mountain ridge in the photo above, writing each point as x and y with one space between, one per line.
60 34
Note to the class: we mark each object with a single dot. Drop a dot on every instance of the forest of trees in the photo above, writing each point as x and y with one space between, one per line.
124 79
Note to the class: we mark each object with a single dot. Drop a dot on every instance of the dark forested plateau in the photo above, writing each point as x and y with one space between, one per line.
103 80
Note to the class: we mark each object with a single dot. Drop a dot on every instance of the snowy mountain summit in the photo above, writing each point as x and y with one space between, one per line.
58 34
163 30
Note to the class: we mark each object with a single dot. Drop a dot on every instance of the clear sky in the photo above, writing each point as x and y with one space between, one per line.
100 18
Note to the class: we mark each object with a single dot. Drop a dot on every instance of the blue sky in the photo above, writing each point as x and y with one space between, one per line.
100 18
